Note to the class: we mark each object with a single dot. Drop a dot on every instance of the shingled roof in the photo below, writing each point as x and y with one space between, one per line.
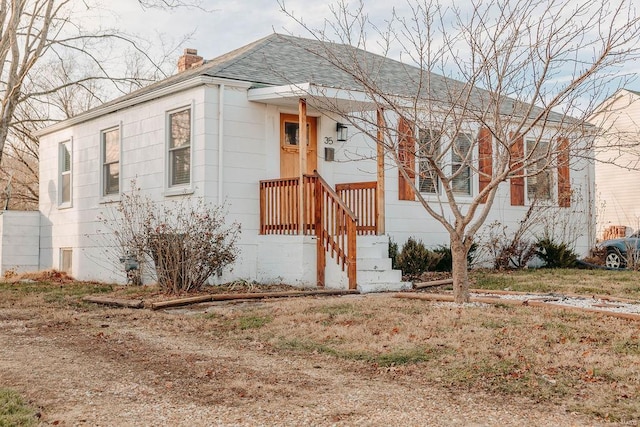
279 59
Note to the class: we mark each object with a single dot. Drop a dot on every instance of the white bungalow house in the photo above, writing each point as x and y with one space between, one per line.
242 112
618 164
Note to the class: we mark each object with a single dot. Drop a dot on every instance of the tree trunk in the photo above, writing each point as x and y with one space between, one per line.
460 271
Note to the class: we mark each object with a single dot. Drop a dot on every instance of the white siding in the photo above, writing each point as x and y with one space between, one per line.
618 169
251 153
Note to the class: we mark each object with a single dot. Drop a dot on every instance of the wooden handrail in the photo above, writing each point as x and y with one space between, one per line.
336 231
335 195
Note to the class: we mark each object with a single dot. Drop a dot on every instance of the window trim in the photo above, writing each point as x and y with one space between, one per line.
103 163
185 188
553 178
63 204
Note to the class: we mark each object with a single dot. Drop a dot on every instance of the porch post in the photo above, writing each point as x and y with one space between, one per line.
302 156
380 175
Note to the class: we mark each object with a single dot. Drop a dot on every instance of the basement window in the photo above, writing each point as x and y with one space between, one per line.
66 255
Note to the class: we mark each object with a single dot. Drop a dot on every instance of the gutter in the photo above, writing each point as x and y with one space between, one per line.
139 99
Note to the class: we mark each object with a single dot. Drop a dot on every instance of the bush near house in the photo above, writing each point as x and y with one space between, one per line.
393 253
446 262
414 259
555 255
186 240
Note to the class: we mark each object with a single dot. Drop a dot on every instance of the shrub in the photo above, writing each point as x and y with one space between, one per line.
596 256
446 262
632 256
415 258
393 253
186 239
555 255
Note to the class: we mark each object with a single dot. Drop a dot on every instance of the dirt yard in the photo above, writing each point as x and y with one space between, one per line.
246 364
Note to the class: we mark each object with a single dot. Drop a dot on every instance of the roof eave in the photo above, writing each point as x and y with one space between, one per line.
320 97
186 84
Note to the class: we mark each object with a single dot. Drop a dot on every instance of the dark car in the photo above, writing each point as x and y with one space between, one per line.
617 250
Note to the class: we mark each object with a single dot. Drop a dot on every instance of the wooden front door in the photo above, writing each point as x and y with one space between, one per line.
289 146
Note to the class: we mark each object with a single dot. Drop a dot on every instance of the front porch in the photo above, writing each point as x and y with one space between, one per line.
303 225
345 223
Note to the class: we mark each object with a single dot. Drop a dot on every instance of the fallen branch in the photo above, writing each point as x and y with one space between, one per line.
254 295
432 283
116 302
530 303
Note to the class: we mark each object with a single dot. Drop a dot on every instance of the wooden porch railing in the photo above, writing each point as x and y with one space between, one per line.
360 197
326 216
336 231
279 206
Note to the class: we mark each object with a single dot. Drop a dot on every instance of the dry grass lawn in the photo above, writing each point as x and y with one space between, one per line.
589 364
551 359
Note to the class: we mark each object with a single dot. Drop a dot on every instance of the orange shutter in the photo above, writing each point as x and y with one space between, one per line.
406 155
564 181
485 159
517 183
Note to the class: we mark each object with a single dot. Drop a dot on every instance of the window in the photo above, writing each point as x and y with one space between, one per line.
429 147
66 254
460 168
291 133
110 161
180 147
539 174
65 181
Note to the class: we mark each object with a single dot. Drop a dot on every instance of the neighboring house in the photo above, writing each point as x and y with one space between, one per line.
227 130
617 165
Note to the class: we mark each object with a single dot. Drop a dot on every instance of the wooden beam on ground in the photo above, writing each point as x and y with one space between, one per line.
526 303
431 283
254 295
116 302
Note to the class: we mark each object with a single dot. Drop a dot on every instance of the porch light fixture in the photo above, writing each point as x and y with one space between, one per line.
342 131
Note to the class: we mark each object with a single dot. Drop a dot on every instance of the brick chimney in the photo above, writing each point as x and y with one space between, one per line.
189 60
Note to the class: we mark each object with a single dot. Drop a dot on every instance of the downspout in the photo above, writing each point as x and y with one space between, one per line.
220 144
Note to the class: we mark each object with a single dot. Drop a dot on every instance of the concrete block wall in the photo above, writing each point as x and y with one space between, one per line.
20 241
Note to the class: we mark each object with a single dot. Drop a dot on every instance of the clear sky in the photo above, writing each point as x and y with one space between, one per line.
226 26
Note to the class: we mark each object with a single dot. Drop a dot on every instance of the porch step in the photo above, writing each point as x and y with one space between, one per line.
375 273
373 252
379 276
383 287
374 264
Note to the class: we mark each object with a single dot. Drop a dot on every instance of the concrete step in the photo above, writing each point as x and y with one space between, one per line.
363 241
375 251
383 287
375 276
374 264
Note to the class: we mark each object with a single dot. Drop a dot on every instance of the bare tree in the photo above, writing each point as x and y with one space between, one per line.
479 80
52 68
